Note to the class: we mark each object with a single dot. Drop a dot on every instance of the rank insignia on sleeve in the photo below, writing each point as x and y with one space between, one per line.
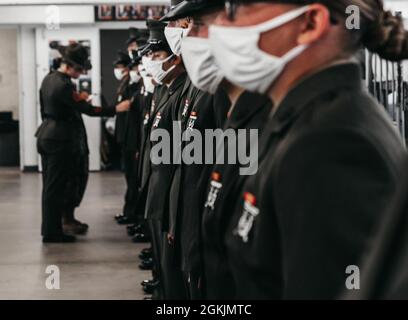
215 187
157 120
185 109
192 120
249 214
146 119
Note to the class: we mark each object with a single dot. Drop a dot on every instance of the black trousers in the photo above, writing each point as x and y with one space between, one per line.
155 231
65 176
78 181
130 167
172 276
193 285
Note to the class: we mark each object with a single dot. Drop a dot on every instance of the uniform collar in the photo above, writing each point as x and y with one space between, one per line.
177 83
346 75
246 106
62 74
186 87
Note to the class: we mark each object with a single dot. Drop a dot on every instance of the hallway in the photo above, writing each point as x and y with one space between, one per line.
101 265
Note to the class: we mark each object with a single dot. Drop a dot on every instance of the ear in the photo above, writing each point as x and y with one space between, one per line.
184 23
177 60
315 24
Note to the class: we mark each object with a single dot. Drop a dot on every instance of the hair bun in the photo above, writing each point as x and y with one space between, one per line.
387 37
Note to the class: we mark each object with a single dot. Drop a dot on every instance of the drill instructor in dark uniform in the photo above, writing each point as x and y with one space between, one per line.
62 137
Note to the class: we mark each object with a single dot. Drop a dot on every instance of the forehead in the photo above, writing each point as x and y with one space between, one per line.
159 53
179 23
207 17
254 13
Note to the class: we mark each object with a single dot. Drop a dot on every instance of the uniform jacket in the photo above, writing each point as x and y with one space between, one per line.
125 92
134 119
250 112
61 110
157 201
190 96
207 112
384 273
160 93
329 162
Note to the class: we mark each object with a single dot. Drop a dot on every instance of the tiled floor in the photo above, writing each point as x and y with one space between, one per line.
101 265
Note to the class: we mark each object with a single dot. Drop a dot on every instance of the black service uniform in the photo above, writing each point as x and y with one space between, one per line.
157 199
130 147
199 111
62 143
144 170
329 162
250 112
384 273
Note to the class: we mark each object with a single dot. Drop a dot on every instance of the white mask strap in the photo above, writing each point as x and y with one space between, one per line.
274 22
292 54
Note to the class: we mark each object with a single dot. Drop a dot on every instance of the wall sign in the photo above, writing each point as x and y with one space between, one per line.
129 12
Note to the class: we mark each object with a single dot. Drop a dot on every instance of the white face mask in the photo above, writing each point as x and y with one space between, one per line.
145 62
174 37
155 68
200 64
148 84
147 79
134 76
237 53
119 74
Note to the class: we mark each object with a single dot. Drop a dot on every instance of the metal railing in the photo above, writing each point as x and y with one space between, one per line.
385 81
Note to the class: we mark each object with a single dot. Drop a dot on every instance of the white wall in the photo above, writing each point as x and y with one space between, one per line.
28 97
41 2
8 71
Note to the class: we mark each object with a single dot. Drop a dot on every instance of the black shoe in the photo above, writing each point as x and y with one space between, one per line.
74 228
146 264
131 226
149 288
143 255
147 282
64 238
134 228
124 220
119 216
82 224
131 231
140 238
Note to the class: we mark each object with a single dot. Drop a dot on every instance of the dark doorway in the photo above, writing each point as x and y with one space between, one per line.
112 41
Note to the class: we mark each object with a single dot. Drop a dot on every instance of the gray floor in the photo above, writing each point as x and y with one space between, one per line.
101 265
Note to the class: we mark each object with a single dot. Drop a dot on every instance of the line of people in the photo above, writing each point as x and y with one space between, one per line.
329 159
